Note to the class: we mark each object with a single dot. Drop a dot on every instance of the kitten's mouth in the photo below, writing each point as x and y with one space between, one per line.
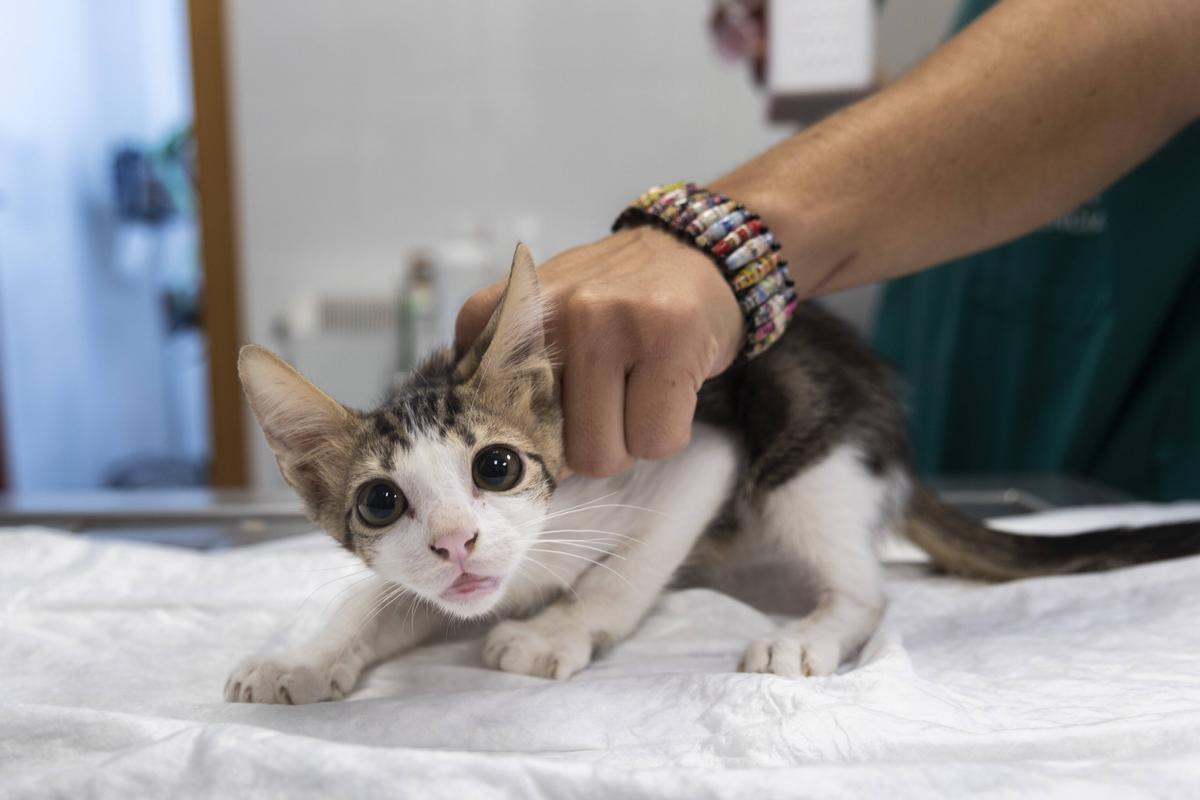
470 585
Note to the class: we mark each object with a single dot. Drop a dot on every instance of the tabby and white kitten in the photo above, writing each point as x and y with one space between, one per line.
453 493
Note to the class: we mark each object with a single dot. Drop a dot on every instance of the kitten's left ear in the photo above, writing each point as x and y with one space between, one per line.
304 426
514 339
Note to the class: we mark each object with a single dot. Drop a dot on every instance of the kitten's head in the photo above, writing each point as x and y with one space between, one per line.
441 490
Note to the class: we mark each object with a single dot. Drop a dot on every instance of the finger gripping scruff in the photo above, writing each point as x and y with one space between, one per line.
738 241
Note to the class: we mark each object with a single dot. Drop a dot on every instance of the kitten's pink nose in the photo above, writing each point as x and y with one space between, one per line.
455 547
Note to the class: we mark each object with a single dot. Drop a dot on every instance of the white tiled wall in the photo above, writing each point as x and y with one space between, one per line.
365 128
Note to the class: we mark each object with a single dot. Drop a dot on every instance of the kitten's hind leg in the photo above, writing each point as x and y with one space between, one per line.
827 517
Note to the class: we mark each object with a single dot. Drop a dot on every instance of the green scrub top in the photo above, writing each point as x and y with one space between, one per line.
1075 349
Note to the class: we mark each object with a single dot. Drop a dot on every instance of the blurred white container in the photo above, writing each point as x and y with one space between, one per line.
474 257
462 264
820 56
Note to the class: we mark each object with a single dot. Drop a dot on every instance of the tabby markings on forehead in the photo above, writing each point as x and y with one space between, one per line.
541 462
418 409
384 426
430 409
453 407
387 432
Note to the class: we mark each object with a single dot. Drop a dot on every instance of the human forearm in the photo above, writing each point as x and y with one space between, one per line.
1031 110
1034 108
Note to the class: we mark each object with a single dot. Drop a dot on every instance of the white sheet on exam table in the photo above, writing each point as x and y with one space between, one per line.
113 656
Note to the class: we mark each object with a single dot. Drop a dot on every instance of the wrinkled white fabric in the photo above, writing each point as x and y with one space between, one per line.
113 656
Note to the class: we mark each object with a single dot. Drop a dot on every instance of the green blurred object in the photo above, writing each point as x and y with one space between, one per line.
1074 349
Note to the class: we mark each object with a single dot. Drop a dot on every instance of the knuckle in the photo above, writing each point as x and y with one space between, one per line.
664 312
660 303
588 301
599 465
663 309
585 315
656 443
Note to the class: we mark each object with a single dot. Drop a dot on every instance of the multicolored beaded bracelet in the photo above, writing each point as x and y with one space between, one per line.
738 241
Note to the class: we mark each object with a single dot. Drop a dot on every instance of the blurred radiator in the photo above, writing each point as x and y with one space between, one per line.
348 345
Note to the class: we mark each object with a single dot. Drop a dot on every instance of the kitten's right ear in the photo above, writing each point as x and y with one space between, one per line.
514 338
302 424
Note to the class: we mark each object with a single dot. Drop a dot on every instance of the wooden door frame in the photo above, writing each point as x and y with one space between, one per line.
3 441
218 237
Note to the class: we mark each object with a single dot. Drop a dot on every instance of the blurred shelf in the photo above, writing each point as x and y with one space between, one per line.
987 496
208 519
201 519
104 508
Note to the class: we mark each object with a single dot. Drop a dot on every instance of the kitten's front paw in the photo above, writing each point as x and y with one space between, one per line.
267 680
520 646
792 656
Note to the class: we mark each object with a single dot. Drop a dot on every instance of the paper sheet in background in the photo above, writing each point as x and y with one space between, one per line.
821 56
113 655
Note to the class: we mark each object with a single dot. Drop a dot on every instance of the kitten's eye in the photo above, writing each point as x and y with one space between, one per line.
496 469
380 503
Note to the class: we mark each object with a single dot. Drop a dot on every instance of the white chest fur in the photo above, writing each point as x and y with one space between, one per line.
655 510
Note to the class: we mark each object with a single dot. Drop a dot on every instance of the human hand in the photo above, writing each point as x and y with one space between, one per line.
639 321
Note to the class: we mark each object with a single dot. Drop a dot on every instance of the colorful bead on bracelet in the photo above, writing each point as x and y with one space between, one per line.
738 241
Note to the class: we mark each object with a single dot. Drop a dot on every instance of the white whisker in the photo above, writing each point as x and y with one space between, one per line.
594 540
581 505
585 558
556 514
333 580
342 591
576 543
556 576
410 617
536 585
376 608
592 530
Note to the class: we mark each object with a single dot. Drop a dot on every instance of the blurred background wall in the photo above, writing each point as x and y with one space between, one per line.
366 131
386 155
98 386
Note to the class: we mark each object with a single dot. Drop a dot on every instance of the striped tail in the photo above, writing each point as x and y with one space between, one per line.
965 546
